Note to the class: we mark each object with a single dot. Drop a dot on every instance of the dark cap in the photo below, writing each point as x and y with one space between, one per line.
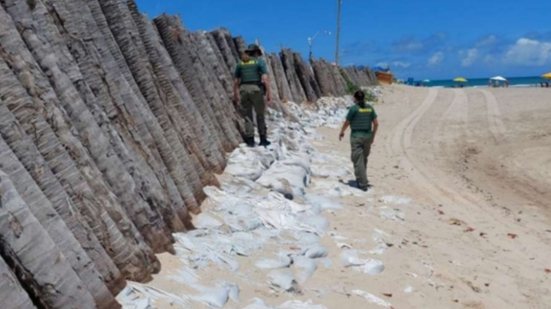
253 49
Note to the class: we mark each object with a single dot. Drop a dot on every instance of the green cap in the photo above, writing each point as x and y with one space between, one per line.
253 49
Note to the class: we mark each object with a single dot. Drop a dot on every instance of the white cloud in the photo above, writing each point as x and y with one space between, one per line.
528 52
412 46
469 57
408 45
436 58
401 64
487 41
394 64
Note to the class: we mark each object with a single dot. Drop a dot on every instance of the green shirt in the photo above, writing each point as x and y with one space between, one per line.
251 71
361 120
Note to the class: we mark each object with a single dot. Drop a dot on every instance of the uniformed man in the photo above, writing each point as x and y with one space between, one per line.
250 83
363 122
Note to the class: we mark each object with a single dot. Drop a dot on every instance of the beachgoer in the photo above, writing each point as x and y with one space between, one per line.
250 83
362 119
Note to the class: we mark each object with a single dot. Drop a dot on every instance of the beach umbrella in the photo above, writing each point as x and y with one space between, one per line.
499 78
547 75
460 80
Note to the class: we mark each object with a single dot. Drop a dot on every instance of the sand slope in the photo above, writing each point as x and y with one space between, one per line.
459 215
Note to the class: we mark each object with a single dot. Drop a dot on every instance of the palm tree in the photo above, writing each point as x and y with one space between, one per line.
11 289
142 200
307 80
143 163
164 71
211 99
280 78
60 149
197 127
228 52
128 38
288 61
34 256
213 87
42 209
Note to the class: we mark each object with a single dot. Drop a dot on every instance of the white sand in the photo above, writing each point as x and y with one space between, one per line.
459 216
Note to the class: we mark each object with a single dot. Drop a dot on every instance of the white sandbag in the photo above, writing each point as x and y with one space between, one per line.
283 279
372 298
304 268
297 304
282 261
315 251
286 179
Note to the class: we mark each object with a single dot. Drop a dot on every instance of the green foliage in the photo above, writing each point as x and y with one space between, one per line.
370 96
350 86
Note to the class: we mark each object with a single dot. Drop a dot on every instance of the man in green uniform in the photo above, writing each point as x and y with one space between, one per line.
250 81
362 119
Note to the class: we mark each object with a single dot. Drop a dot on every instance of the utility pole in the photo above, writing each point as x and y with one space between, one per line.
339 11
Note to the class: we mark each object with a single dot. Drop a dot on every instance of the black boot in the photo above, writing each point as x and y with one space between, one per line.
263 141
249 141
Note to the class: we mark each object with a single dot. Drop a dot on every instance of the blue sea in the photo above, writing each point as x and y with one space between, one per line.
529 81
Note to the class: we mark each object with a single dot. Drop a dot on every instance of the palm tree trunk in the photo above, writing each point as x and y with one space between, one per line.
145 215
203 89
214 59
287 59
99 94
194 107
306 77
12 294
127 36
75 197
240 44
43 211
219 98
326 83
28 249
220 77
162 66
273 85
129 252
229 54
340 83
280 78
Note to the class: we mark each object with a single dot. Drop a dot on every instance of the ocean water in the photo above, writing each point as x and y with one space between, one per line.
529 81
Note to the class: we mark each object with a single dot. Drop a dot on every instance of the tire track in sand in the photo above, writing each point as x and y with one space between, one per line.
427 181
399 144
497 127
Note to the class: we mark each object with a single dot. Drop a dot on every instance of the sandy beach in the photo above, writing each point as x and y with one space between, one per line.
459 215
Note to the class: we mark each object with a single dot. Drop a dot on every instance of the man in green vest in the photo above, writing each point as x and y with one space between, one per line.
250 82
362 119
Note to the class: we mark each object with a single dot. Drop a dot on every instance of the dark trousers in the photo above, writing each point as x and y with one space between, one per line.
252 98
360 148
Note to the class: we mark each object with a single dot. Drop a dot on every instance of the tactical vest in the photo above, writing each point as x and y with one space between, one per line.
250 72
362 119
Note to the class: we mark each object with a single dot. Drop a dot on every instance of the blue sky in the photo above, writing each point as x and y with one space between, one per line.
418 38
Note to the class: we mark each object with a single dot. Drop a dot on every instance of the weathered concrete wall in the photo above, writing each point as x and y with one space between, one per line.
110 126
